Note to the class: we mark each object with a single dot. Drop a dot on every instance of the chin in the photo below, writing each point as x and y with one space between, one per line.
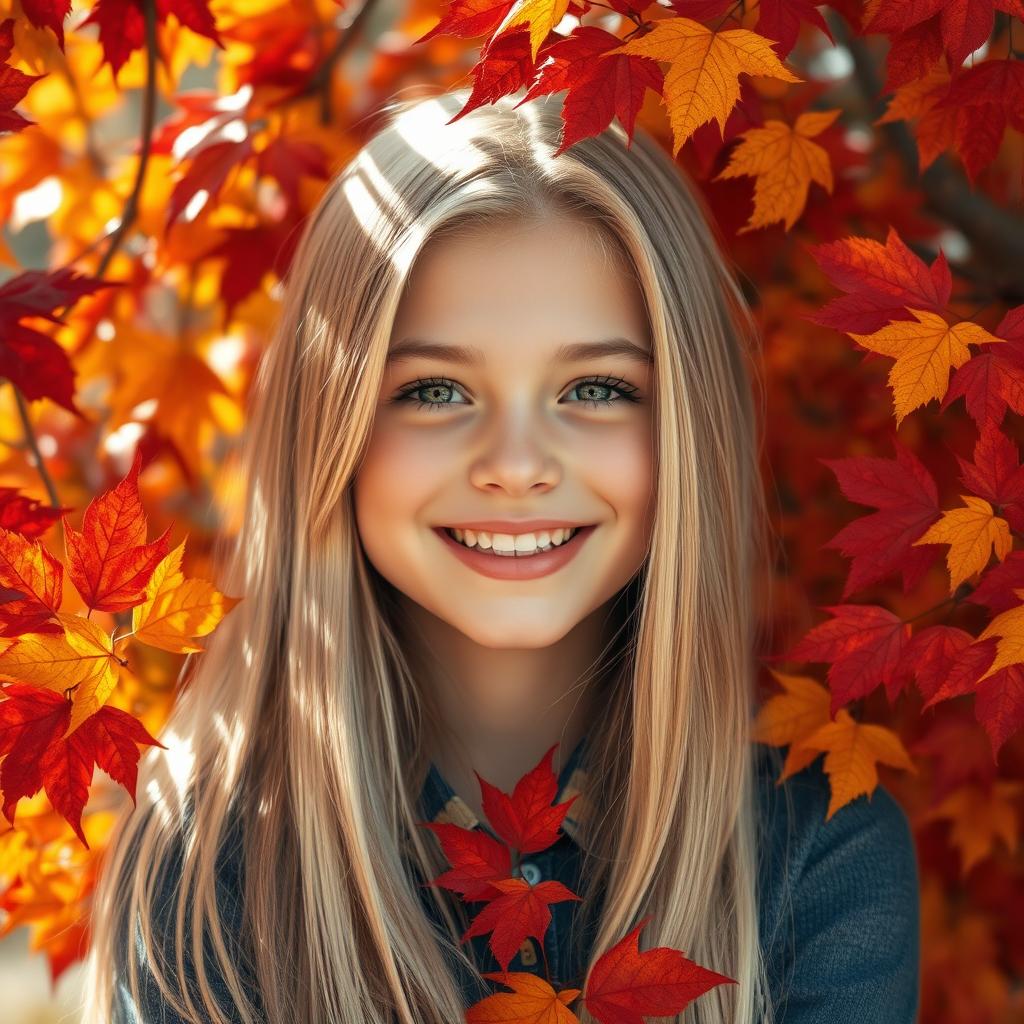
522 638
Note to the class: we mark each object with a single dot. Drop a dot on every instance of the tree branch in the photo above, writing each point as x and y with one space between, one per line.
995 233
131 207
33 444
320 80
127 219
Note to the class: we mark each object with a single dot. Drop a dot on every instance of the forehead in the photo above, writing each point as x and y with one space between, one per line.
507 289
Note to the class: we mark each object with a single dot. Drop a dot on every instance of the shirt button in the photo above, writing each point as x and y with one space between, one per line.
531 873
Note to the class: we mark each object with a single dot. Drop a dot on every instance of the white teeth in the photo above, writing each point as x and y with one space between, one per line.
513 546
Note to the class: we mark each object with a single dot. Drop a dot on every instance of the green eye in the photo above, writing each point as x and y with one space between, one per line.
626 391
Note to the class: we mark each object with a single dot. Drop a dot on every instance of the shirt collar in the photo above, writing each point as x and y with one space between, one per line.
441 803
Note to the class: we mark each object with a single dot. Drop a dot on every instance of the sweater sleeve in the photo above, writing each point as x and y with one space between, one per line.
855 913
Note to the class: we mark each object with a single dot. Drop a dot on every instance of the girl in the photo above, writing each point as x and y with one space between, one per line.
486 350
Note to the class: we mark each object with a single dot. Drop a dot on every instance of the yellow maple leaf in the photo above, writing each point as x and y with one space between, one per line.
973 533
81 657
702 83
924 352
784 161
543 16
1008 626
789 717
980 816
853 751
176 609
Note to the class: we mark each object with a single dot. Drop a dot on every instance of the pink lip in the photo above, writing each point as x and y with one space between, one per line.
511 567
513 525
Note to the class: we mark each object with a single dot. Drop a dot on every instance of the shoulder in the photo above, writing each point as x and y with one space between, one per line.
839 898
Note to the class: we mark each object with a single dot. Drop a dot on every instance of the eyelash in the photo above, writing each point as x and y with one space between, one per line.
626 390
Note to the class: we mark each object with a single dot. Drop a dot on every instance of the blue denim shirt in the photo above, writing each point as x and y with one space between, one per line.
838 913
838 909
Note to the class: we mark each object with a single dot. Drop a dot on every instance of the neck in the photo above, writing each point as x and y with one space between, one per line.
500 710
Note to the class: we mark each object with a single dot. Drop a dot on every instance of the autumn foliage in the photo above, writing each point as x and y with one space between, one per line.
864 162
624 986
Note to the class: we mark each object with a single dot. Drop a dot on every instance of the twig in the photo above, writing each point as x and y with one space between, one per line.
320 80
33 444
131 207
127 218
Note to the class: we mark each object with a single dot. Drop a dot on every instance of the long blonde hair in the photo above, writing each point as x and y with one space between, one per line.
302 726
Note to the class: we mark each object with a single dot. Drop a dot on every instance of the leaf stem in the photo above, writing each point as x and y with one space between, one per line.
728 14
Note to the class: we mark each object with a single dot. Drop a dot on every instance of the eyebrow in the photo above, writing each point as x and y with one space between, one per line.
410 348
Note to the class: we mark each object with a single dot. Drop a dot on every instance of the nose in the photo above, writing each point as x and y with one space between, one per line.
518 458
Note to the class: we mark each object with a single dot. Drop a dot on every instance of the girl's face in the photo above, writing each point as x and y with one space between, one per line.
496 422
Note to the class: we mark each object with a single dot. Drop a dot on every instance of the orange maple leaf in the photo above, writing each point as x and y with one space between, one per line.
1008 626
542 16
789 717
80 658
924 352
702 83
980 815
531 1000
784 161
973 533
853 751
176 608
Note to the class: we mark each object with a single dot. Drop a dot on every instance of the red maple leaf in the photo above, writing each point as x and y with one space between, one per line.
288 159
519 912
109 561
994 378
625 985
476 860
25 515
39 756
49 14
32 582
993 94
883 281
599 88
864 644
13 83
466 19
907 500
251 253
211 164
123 26
963 25
526 820
505 65
995 474
31 360
781 20
913 53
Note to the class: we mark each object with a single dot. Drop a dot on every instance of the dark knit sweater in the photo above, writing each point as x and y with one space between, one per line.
838 908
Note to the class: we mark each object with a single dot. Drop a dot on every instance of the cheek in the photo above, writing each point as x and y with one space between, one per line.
622 472
399 473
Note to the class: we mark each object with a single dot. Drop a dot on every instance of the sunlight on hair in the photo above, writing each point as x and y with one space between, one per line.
449 150
179 758
378 225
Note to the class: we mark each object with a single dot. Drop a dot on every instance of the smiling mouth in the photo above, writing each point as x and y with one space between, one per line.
566 537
